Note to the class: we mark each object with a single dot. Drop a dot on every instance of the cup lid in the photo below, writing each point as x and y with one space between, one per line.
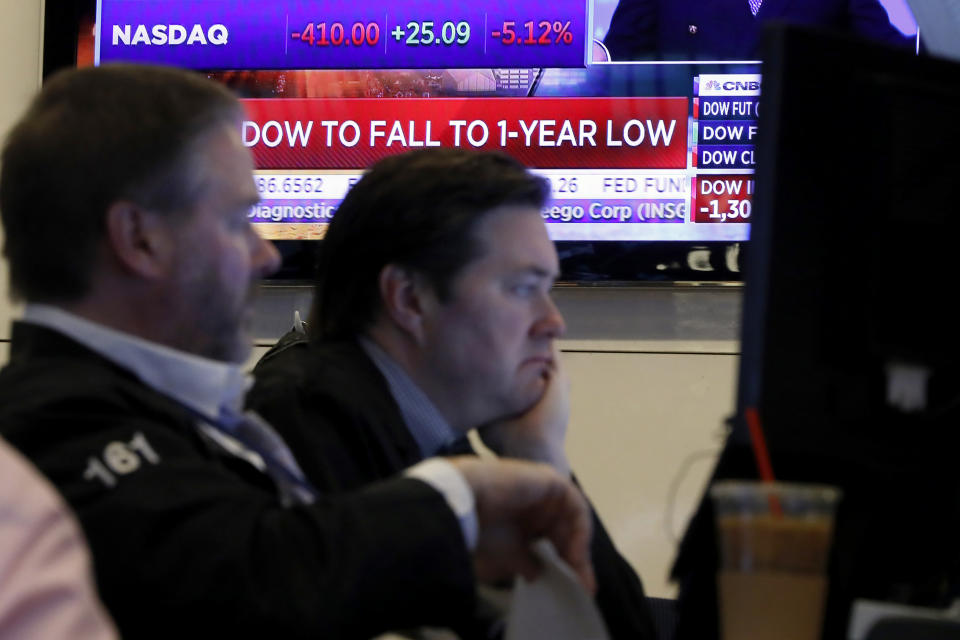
732 489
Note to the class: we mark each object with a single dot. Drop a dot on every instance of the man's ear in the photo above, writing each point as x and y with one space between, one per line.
139 239
402 296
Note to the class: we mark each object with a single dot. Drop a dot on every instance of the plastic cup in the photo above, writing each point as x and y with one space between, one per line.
774 542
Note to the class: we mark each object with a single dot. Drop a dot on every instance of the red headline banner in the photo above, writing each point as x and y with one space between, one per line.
546 133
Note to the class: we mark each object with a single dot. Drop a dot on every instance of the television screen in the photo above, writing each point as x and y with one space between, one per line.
650 154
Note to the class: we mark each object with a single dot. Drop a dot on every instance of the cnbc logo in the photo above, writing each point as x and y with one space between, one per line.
741 85
729 84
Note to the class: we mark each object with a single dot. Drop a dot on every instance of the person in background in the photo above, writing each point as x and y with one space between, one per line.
46 585
124 195
433 316
731 29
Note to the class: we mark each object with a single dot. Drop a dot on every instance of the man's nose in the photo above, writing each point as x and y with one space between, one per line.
266 259
550 324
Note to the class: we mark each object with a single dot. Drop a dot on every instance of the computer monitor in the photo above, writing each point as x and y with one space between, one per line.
849 350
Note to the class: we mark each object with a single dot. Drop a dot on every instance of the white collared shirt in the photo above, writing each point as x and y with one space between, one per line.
200 383
204 385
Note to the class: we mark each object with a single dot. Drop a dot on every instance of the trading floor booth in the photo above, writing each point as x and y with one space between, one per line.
848 268
850 353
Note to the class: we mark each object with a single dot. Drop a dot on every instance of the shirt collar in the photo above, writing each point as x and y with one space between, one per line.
205 385
424 421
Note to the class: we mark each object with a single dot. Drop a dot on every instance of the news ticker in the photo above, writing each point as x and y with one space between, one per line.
374 34
584 204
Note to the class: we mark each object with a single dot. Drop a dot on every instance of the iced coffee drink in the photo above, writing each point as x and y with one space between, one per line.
774 544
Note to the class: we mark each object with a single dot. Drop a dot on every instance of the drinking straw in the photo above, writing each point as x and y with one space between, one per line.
762 455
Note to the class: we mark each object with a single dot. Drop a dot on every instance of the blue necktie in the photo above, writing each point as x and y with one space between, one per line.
754 6
257 435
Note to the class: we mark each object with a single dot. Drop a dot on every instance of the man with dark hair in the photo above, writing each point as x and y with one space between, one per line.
125 194
419 210
433 316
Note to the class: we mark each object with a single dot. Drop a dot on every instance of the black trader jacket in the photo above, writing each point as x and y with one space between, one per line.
334 408
190 541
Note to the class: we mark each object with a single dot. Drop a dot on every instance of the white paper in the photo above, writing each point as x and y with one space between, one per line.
554 606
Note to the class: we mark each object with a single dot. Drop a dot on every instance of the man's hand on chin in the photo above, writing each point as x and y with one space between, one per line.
539 433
